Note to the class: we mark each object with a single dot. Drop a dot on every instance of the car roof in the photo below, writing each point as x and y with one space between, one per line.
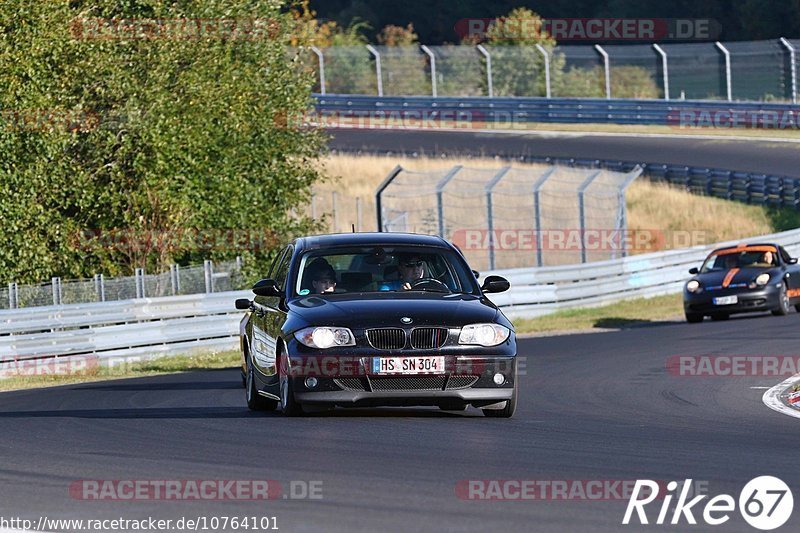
748 246
369 239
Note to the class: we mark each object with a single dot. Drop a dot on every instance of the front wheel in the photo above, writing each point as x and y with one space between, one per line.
783 302
720 316
289 405
256 402
694 318
508 410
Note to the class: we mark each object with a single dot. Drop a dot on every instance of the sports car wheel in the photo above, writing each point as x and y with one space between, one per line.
289 405
255 401
694 318
720 316
783 302
508 410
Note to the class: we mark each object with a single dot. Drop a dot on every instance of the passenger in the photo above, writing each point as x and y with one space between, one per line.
322 275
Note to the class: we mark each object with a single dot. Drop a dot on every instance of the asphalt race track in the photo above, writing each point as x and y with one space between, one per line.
764 157
593 407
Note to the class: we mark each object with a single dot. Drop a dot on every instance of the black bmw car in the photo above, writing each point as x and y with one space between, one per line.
743 279
376 319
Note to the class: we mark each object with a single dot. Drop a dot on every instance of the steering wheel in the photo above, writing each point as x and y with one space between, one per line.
433 282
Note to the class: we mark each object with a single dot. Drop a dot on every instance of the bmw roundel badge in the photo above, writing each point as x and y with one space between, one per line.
406 320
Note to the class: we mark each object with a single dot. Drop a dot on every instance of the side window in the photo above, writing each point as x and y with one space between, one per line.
784 255
282 270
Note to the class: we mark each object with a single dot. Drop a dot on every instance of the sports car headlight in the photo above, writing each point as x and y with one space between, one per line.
693 286
325 337
762 279
484 334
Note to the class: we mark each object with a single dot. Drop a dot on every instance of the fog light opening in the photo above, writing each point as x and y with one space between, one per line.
311 383
499 379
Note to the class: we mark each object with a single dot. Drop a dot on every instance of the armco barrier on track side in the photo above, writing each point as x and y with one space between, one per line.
179 324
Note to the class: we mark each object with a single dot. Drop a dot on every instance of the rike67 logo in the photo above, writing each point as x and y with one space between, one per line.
765 503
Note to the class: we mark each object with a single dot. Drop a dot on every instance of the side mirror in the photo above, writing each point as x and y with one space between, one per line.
495 284
243 303
793 261
693 271
476 274
266 287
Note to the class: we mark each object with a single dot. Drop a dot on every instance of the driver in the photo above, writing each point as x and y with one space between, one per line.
411 268
767 259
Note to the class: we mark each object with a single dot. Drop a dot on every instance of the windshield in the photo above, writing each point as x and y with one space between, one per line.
383 269
753 257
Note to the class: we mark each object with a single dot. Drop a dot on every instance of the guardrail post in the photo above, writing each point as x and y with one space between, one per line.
100 287
378 207
537 213
727 69
432 57
139 281
321 60
488 57
582 213
665 68
13 296
546 56
792 58
56 286
439 189
607 68
489 215
378 72
208 271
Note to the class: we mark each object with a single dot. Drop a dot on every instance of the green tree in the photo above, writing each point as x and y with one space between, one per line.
173 132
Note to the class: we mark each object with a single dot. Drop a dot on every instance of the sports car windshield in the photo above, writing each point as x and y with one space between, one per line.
383 269
756 257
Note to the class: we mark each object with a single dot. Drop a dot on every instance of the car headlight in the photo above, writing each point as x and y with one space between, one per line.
325 337
762 279
484 334
693 286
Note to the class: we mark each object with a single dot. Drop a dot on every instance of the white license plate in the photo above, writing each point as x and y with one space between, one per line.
726 300
408 365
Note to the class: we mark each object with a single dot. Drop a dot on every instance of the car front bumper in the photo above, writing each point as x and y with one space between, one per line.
749 300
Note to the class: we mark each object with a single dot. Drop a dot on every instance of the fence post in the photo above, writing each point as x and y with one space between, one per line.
623 209
665 68
55 285
378 72
489 214
488 57
792 58
173 282
607 68
208 271
439 188
100 287
139 280
546 56
378 207
432 57
358 214
13 296
581 211
313 205
537 212
177 279
321 60
727 69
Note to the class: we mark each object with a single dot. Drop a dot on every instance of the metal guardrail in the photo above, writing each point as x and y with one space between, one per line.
510 111
181 324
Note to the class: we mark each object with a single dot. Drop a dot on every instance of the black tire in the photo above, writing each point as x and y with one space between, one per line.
720 316
289 405
508 410
256 402
797 308
694 318
783 302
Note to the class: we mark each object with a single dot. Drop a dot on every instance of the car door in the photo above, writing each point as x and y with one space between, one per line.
268 318
793 272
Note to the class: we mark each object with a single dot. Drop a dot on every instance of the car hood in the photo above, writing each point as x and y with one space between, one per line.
386 310
742 276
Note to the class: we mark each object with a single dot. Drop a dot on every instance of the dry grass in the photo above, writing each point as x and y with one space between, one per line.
683 218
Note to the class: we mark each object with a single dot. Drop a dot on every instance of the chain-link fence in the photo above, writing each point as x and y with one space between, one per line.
755 71
513 217
207 278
